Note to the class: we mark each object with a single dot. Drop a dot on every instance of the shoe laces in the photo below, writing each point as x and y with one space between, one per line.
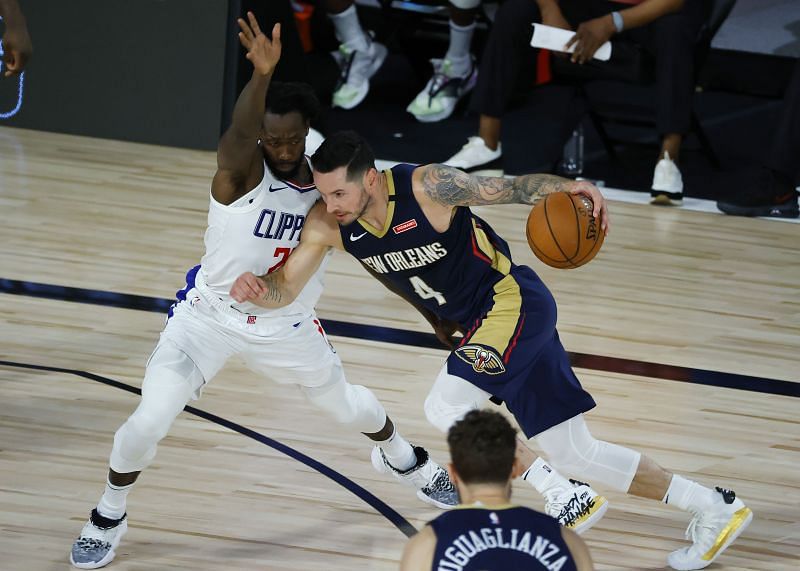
702 529
442 78
440 482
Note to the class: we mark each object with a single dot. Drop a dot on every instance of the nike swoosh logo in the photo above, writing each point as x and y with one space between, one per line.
353 237
276 189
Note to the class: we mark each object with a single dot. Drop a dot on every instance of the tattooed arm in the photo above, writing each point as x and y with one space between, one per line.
449 186
280 288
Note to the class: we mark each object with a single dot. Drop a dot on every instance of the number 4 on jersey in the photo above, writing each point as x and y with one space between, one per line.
425 291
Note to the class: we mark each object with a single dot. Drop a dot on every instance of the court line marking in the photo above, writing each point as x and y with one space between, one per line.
376 503
427 340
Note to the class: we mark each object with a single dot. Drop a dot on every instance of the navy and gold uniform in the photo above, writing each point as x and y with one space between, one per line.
511 347
499 539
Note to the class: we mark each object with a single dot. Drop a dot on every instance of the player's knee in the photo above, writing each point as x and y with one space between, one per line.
569 446
466 4
443 414
571 457
352 405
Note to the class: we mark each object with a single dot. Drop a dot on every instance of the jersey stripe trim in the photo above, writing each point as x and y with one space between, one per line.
488 252
501 325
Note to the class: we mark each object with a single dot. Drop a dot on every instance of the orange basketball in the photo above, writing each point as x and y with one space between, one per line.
562 231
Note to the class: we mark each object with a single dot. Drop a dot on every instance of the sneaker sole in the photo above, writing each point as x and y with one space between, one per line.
109 556
702 563
429 500
762 211
664 200
590 521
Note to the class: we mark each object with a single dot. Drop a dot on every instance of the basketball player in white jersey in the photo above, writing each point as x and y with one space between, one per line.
260 196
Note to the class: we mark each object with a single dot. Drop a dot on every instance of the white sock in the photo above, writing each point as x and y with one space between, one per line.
112 503
398 452
544 477
348 29
458 51
688 495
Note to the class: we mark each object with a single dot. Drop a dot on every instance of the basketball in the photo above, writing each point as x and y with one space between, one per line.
562 231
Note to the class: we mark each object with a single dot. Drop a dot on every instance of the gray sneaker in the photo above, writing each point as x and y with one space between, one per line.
431 480
99 538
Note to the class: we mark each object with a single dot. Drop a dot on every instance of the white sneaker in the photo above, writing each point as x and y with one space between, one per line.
712 531
667 188
443 91
356 68
476 157
577 508
431 480
99 538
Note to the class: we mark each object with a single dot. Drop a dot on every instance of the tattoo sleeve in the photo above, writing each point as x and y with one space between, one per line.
450 186
274 293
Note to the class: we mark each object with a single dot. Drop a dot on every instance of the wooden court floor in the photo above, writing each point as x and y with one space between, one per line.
687 290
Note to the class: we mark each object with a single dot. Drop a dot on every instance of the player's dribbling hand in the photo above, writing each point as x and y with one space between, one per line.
600 211
262 52
248 287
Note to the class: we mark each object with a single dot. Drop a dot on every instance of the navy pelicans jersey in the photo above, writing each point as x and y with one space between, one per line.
478 538
450 273
510 347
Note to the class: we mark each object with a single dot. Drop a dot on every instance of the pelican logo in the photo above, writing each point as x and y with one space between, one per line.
482 359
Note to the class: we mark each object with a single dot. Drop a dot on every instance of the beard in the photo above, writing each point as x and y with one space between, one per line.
284 171
360 212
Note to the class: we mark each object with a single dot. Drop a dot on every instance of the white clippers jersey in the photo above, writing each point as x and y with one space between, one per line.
256 233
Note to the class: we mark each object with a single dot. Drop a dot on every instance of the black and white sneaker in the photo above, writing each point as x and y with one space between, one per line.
766 193
667 187
443 91
95 546
431 480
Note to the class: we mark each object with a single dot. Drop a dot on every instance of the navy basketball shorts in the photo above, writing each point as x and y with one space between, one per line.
513 352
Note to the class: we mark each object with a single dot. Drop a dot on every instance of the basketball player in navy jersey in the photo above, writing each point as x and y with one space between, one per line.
487 532
260 196
412 224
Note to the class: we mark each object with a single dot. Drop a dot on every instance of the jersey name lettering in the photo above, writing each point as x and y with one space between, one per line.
274 225
467 545
407 259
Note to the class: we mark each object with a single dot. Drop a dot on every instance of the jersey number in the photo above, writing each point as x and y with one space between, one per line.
425 291
281 253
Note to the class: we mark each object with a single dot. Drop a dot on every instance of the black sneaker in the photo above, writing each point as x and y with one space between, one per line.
771 195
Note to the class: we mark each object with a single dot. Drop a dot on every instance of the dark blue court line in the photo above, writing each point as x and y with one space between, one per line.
417 339
382 508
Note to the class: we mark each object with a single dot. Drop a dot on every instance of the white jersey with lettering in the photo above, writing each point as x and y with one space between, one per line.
256 233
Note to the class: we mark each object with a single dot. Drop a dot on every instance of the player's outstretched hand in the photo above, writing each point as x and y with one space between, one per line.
600 211
248 287
262 52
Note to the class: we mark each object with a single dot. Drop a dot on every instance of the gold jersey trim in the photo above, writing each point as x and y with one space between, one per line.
389 210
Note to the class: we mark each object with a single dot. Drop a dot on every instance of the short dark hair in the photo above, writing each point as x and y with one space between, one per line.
344 149
483 446
285 97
